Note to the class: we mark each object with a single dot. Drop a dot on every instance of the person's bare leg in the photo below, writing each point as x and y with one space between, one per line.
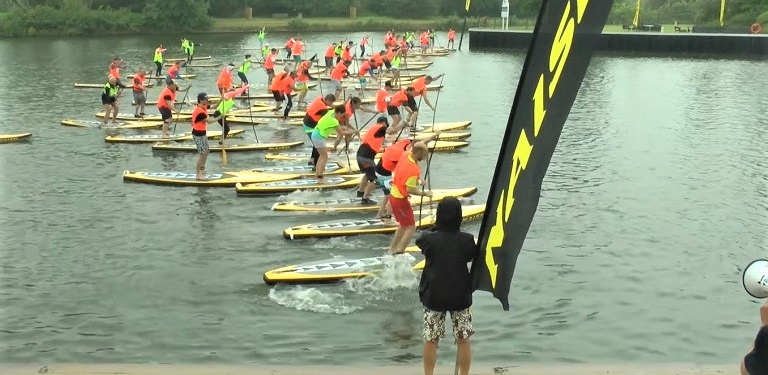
430 357
464 355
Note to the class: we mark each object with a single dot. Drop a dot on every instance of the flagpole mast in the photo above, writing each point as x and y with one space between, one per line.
463 28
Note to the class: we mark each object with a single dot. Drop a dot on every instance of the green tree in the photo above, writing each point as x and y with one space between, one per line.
177 15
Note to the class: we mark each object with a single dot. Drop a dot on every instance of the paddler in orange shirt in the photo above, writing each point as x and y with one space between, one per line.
420 88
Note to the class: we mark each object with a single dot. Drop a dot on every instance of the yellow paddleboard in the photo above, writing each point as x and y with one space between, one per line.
214 147
194 58
199 65
253 96
340 268
346 227
227 179
117 125
183 76
356 86
100 85
354 205
151 138
130 117
437 146
280 187
10 138
331 168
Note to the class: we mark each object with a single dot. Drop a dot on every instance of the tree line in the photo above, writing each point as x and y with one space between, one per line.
86 16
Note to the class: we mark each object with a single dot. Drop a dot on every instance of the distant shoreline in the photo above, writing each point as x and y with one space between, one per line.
416 369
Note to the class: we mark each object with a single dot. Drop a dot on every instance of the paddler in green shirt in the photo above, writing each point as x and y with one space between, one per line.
185 46
262 36
190 51
265 51
326 127
225 105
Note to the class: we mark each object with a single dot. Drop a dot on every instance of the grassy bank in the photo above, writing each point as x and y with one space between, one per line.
223 25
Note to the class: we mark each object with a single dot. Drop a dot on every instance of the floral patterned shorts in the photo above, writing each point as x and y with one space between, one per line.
434 324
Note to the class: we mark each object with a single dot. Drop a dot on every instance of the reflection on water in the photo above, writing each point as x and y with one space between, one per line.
659 176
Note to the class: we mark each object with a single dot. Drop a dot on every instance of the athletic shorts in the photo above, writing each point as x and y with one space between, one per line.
270 70
381 171
367 166
412 104
373 72
329 62
393 111
201 142
363 82
402 211
336 85
168 80
278 95
318 141
386 183
165 114
297 58
308 129
108 100
434 324
139 97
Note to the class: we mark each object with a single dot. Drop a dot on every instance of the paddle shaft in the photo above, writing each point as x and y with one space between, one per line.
181 105
358 133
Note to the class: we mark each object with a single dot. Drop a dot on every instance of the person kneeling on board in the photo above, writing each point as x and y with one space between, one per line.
756 361
200 121
446 284
324 129
406 181
371 145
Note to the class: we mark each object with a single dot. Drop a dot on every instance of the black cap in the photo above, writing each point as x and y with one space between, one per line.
383 119
201 96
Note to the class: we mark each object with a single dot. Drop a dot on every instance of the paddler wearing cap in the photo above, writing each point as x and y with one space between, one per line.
372 141
200 121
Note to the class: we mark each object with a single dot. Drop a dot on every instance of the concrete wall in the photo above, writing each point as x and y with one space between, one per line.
656 43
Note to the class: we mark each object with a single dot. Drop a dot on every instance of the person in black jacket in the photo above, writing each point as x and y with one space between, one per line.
445 284
756 361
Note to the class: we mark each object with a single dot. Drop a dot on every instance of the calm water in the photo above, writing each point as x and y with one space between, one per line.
655 198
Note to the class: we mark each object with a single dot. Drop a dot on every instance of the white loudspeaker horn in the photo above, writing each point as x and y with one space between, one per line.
755 278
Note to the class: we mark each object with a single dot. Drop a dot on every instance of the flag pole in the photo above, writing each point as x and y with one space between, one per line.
464 28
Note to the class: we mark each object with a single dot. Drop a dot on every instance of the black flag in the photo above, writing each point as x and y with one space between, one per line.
566 33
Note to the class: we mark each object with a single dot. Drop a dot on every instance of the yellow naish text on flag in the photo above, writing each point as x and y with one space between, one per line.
561 46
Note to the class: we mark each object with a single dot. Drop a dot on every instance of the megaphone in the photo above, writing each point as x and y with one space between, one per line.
755 278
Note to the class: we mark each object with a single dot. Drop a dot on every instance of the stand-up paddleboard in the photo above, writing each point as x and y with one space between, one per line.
436 146
183 76
331 168
115 125
10 138
354 205
228 147
261 120
227 179
196 65
341 268
252 96
257 109
443 126
194 58
245 114
346 227
100 85
368 100
281 187
355 86
151 138
420 136
130 117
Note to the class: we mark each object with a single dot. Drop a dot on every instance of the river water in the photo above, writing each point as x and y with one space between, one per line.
655 199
